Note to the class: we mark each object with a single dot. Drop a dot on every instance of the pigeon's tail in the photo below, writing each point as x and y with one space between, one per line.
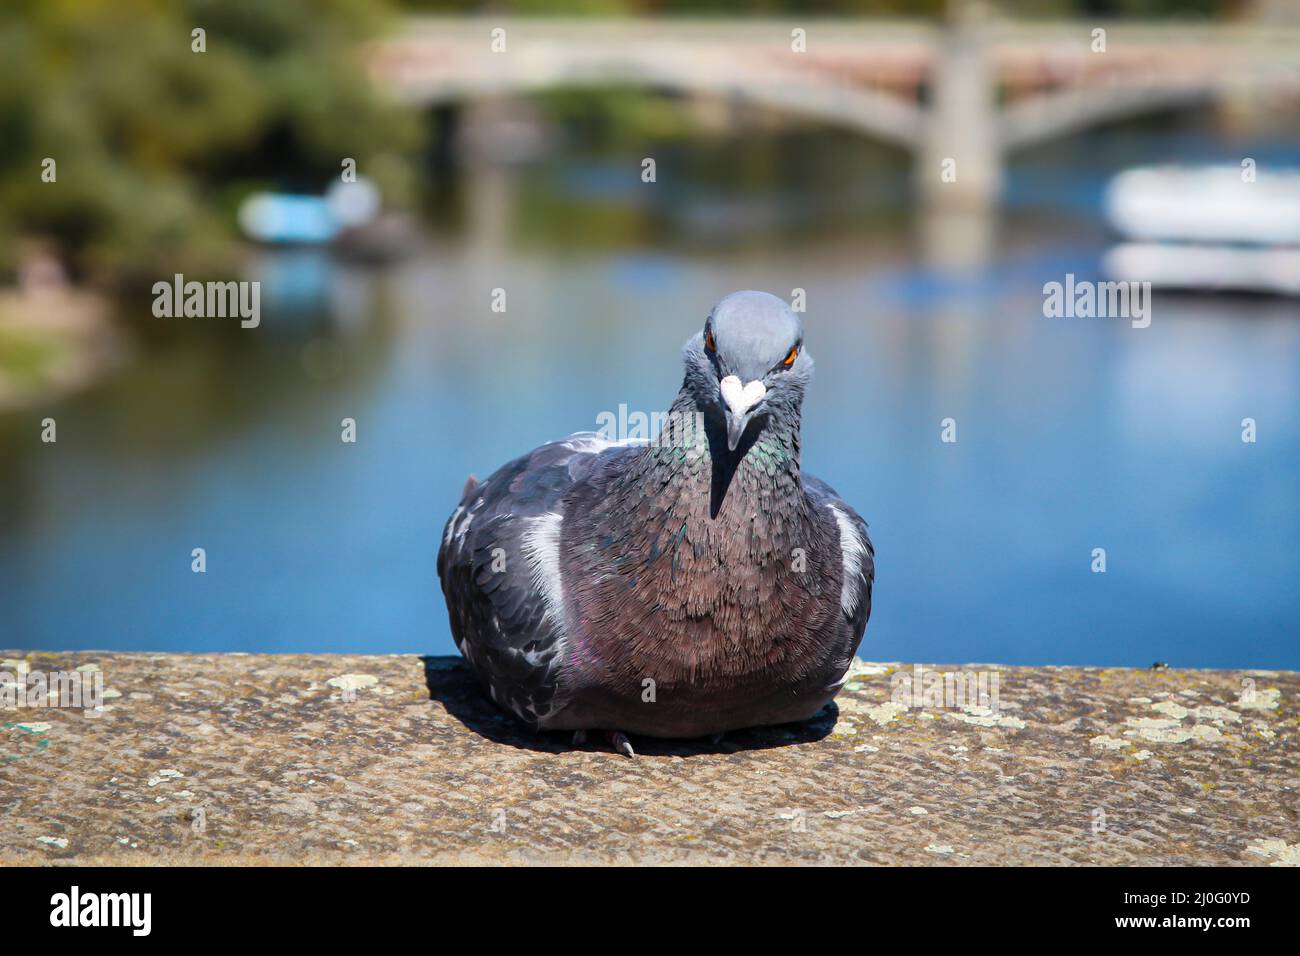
470 484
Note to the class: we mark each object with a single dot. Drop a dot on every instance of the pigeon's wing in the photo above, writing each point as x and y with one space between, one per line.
500 571
858 562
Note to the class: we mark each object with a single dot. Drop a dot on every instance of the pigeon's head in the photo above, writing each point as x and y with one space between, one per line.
747 366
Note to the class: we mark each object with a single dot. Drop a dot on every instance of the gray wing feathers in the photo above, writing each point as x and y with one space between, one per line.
499 566
858 562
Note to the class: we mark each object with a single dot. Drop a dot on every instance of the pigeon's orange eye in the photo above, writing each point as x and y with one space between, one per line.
708 341
789 359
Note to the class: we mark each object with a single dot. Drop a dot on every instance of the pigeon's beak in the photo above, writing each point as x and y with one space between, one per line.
739 401
735 428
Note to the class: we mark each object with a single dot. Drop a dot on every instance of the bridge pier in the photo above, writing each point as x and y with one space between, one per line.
959 160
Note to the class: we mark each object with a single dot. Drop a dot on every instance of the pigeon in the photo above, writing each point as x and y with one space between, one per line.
683 586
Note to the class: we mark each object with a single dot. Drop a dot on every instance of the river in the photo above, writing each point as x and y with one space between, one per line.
1072 434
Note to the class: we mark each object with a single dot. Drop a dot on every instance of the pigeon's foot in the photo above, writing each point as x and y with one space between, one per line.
715 739
579 738
618 740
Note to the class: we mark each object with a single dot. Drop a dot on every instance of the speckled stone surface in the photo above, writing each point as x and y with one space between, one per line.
246 759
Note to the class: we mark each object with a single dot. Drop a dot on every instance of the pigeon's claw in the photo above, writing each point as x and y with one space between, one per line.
579 738
618 740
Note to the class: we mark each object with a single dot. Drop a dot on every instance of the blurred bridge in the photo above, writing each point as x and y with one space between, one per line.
968 91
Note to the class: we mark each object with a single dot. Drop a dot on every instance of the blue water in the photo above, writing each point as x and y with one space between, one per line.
1072 434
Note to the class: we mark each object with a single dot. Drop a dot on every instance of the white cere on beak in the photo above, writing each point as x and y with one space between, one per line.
741 399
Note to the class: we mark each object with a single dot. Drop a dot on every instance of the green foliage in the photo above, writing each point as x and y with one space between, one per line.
25 356
152 139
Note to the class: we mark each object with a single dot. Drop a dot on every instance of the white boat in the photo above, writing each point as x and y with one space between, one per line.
1223 228
1206 204
290 219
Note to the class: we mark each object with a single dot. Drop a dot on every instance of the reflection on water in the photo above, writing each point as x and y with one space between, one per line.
1073 434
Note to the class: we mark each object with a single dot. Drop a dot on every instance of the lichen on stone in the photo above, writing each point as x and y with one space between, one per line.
1167 731
347 682
1277 852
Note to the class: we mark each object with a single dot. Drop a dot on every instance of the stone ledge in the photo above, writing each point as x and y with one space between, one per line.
259 759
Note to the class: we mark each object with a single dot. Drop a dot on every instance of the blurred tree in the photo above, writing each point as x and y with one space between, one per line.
154 143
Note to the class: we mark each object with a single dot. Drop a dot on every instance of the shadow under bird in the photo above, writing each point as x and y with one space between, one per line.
685 586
